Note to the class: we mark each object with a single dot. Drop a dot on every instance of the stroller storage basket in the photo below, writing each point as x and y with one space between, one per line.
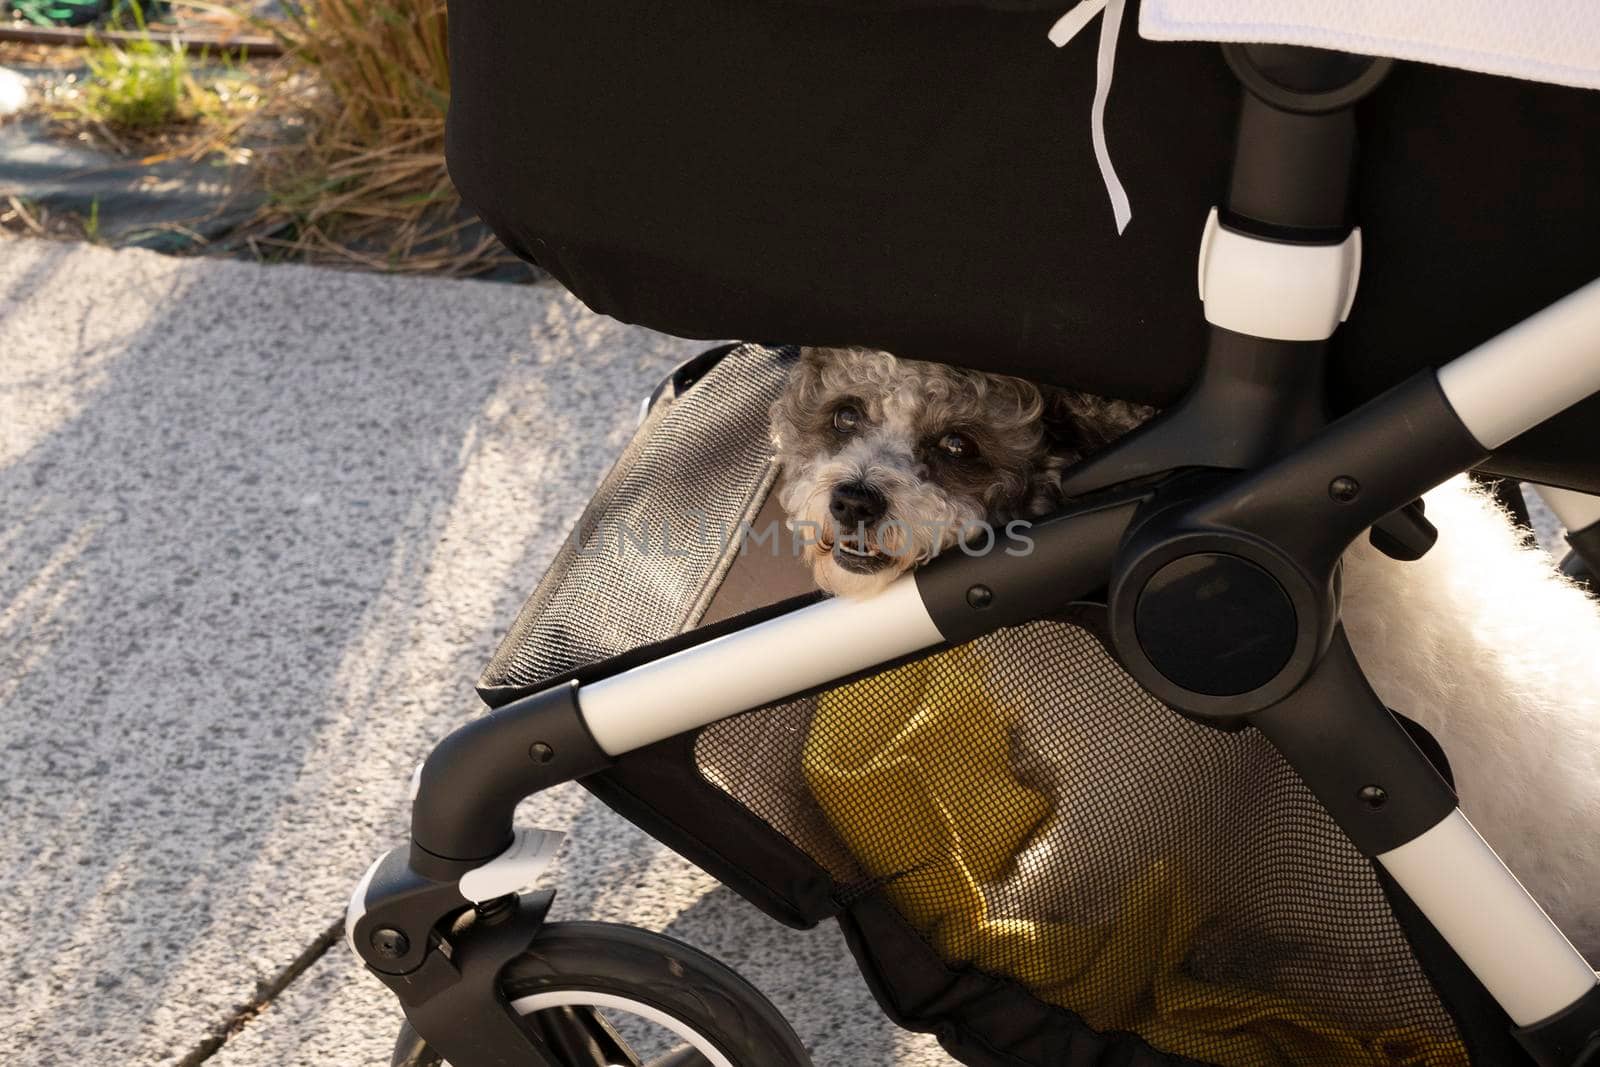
1030 855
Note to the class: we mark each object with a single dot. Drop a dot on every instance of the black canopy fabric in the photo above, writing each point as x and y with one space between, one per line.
919 176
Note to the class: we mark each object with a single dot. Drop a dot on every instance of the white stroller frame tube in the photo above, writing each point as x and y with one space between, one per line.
755 666
1534 370
1499 931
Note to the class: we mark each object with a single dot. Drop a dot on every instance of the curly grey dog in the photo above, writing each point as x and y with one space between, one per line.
888 462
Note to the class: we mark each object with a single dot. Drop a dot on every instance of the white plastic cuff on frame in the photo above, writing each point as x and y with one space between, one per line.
1276 289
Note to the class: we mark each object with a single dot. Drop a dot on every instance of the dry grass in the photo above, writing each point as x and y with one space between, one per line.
344 135
19 217
365 182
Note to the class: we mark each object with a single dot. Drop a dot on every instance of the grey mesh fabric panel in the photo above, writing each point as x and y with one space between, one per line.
649 549
1237 924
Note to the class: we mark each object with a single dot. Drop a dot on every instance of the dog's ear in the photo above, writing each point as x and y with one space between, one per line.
1079 424
795 411
1075 425
1065 433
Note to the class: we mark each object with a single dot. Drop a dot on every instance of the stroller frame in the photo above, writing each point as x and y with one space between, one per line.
1265 510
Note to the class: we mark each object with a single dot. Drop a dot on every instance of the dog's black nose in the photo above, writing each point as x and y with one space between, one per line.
856 504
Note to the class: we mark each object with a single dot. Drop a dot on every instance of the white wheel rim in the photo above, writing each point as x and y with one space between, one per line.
576 998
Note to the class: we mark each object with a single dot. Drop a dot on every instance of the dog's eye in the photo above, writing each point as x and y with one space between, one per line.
958 446
846 418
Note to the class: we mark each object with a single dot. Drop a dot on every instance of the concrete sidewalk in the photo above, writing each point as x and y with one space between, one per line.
261 528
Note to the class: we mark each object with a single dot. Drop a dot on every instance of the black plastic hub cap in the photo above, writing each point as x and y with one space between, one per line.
1215 624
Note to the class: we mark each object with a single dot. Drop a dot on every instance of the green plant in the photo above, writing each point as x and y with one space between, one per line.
139 85
136 86
142 91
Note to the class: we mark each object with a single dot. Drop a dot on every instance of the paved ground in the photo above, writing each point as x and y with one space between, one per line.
261 528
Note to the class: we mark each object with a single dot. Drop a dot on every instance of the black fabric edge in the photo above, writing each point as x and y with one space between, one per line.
660 790
920 992
497 695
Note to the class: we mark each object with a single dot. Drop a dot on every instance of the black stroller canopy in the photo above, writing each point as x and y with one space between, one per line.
920 177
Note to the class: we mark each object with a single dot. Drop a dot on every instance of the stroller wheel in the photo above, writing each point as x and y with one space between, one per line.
604 995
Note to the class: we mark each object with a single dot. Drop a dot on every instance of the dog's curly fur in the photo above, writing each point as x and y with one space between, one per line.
1024 437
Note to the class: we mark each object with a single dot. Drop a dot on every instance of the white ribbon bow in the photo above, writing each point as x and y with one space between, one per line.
1065 29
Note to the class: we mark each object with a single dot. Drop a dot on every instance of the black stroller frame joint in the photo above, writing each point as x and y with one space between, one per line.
1570 1038
470 784
971 595
455 996
1161 522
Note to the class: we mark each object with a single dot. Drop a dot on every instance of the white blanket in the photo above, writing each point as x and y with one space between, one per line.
1554 41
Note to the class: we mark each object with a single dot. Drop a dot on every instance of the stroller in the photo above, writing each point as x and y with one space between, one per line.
935 179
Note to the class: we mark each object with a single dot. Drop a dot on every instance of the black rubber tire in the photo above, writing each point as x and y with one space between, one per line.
668 975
